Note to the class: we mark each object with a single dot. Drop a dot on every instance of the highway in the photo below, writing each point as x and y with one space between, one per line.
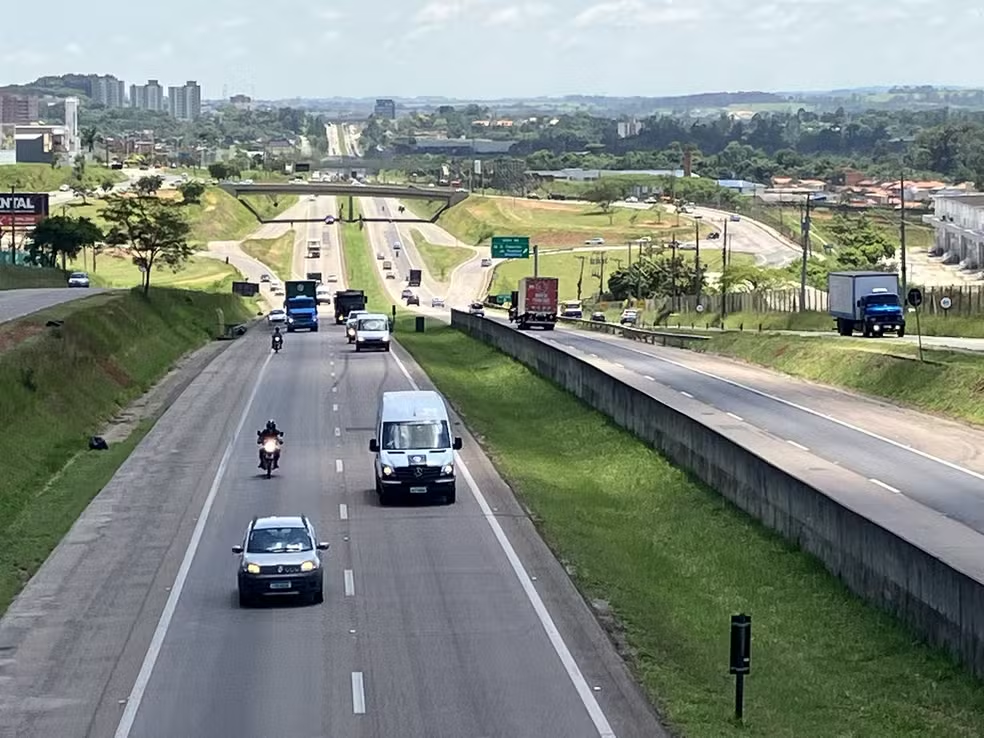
935 462
438 621
18 303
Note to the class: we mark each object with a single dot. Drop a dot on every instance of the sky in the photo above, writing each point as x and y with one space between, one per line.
501 48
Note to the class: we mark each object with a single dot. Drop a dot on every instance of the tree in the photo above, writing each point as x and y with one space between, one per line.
860 244
651 277
88 137
604 192
153 231
191 192
107 186
150 184
80 181
218 170
758 279
61 237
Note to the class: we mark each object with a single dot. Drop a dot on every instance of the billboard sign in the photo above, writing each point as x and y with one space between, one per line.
23 208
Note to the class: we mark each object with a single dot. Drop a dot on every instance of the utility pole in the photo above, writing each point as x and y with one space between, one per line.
806 244
902 230
724 273
580 276
601 274
13 231
700 282
673 264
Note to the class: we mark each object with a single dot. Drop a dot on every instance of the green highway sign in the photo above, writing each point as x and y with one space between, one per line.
510 247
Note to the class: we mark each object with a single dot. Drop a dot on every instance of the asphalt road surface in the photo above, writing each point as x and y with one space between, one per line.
438 621
18 303
937 463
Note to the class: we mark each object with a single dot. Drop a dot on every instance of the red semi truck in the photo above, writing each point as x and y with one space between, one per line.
535 303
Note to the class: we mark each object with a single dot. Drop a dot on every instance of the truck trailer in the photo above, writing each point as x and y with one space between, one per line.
535 303
868 302
300 304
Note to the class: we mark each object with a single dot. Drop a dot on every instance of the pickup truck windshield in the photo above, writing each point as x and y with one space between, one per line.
415 435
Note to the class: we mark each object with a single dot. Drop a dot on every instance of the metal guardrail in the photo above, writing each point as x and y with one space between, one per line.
664 338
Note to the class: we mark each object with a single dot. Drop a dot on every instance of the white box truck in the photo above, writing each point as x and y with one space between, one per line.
868 302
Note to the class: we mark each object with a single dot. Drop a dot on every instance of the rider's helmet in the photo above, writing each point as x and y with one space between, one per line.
271 425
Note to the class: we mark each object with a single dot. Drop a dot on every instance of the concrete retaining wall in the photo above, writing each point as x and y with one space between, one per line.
923 568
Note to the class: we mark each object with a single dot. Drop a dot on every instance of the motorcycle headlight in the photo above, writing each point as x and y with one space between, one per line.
309 566
253 568
447 470
270 446
387 471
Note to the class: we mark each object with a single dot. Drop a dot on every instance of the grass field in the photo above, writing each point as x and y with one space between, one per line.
360 268
22 277
113 348
567 267
931 325
44 178
948 383
674 560
552 224
276 253
440 260
115 269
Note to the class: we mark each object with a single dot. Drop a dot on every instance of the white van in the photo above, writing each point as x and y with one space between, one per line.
414 447
372 332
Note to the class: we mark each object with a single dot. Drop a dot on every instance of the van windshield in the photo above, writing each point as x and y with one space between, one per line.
373 324
413 435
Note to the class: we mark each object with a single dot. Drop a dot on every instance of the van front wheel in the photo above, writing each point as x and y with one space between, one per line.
451 496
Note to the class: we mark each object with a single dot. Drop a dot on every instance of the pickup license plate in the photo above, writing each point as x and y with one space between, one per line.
279 585
418 490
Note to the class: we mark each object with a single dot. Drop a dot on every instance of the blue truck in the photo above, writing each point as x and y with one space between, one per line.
301 305
868 302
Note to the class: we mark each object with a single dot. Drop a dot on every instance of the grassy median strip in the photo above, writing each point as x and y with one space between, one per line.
440 260
276 253
675 560
360 272
60 385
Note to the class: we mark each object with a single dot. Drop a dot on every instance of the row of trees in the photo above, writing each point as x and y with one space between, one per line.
153 231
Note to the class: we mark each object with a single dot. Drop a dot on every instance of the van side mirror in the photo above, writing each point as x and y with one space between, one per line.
237 549
374 445
323 546
457 444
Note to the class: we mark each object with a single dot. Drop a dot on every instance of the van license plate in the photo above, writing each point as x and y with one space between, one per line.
279 585
418 490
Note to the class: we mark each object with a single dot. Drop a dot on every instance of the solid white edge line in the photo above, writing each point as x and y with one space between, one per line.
810 411
358 693
556 639
339 466
157 641
343 511
349 582
686 394
800 446
888 487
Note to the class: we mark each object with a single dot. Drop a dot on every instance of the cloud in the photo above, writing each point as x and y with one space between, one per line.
330 14
73 48
234 22
330 35
516 15
441 12
634 13
163 51
26 57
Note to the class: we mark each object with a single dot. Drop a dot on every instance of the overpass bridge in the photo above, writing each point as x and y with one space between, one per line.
335 189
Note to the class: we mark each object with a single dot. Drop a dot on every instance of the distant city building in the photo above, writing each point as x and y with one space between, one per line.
385 109
73 142
241 102
38 144
959 224
185 102
629 128
107 90
147 97
18 109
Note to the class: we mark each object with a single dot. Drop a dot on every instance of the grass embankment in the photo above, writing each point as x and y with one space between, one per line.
276 253
44 178
22 277
440 260
59 386
360 269
931 325
553 224
567 268
674 560
949 382
116 269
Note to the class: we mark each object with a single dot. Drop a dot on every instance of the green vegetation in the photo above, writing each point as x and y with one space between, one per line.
555 224
674 560
948 383
932 325
277 253
360 271
220 217
113 347
440 260
44 178
116 269
23 277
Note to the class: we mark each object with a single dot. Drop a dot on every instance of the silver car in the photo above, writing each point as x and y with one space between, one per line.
280 556
78 279
437 302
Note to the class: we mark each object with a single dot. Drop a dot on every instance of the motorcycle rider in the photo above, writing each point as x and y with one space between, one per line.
270 431
276 338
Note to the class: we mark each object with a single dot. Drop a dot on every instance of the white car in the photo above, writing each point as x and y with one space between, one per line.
277 316
486 262
332 278
437 302
397 246
596 241
64 188
323 295
78 279
477 308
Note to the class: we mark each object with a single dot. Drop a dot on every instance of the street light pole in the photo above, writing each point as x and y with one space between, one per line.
697 256
724 274
806 245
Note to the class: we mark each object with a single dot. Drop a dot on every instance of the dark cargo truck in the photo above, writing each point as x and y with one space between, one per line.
414 279
316 276
300 304
347 301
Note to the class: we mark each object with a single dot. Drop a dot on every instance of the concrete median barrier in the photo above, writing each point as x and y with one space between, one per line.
907 559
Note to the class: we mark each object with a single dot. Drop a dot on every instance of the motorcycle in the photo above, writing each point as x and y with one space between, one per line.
270 448
278 343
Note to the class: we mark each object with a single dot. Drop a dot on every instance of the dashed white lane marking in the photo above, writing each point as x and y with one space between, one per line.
651 379
358 693
339 467
334 408
620 366
889 487
349 583
338 431
343 511
736 417
800 446
334 389
686 394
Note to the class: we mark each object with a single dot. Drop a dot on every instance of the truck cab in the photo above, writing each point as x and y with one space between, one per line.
300 304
